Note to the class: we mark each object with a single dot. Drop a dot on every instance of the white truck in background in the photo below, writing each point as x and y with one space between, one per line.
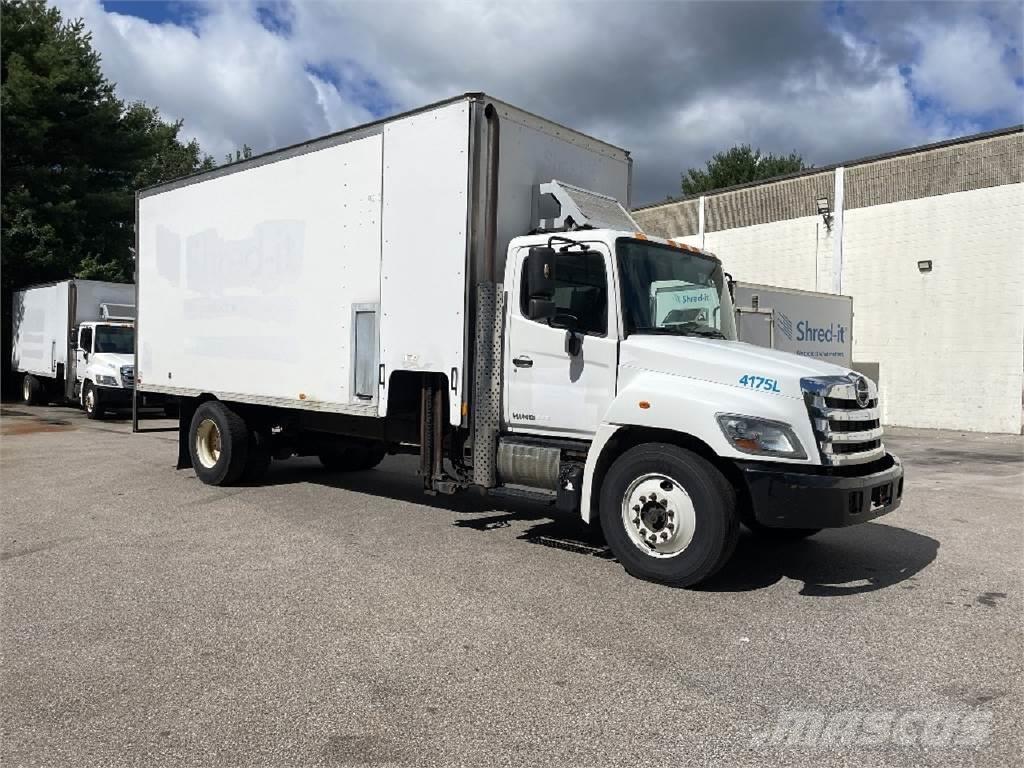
807 323
462 283
74 340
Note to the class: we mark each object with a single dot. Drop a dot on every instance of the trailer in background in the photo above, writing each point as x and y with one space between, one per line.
806 323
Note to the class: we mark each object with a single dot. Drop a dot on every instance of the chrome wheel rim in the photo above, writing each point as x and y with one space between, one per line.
208 443
658 515
90 400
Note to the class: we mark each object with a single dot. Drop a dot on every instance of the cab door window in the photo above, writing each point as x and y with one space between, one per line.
581 290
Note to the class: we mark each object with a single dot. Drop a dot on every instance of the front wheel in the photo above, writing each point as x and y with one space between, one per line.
668 515
92 402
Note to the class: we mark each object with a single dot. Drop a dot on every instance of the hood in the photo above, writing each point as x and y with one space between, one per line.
731 363
112 359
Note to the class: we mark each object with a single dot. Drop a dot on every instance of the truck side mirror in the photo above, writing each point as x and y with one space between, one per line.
540 272
540 282
570 323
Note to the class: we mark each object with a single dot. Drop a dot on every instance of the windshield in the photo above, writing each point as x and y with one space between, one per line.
669 290
119 339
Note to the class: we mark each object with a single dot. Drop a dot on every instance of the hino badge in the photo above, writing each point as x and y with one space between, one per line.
464 283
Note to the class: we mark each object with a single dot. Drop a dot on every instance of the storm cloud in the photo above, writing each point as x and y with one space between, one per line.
671 82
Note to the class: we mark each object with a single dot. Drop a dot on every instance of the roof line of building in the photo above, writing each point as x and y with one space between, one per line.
859 161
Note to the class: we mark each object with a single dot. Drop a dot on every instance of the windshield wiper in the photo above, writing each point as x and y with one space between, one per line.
706 331
683 329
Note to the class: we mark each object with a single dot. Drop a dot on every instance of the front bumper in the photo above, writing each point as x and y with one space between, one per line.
782 496
114 396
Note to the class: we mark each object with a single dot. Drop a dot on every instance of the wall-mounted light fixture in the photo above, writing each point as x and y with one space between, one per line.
924 266
825 211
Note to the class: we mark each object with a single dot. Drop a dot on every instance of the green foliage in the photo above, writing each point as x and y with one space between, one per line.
739 165
73 154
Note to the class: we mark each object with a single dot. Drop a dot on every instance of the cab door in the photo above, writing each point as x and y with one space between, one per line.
83 351
549 390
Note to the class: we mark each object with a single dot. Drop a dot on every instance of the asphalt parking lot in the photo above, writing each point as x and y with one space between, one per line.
326 619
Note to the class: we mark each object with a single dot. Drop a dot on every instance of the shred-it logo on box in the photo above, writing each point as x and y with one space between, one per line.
784 324
864 729
808 331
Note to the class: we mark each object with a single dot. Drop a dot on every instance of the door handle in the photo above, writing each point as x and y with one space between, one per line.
522 362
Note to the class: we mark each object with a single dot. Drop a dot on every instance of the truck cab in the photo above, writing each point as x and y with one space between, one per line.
627 344
104 365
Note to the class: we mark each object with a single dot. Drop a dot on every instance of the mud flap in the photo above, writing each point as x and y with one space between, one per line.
186 409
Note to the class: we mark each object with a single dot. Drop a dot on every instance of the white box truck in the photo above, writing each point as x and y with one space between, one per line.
807 323
463 283
74 340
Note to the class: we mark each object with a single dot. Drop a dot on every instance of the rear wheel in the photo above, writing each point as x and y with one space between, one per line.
668 515
352 457
31 390
92 401
218 443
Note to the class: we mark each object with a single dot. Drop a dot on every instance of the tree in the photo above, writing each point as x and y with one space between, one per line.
739 165
73 156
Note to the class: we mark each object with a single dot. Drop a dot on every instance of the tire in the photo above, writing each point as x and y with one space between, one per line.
689 508
31 390
352 457
92 401
218 443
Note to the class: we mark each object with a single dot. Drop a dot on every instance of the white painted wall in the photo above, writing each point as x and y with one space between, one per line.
796 253
950 343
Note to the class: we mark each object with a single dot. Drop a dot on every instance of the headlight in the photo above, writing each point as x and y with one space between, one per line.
106 381
760 437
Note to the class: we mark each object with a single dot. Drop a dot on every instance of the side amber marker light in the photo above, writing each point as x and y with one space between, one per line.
644 404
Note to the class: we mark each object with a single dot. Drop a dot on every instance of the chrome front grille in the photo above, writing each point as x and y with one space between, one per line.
845 418
127 376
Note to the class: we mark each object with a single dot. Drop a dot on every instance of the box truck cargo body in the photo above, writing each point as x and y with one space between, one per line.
283 269
74 340
464 283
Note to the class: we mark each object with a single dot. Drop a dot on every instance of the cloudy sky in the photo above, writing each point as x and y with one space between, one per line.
672 82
